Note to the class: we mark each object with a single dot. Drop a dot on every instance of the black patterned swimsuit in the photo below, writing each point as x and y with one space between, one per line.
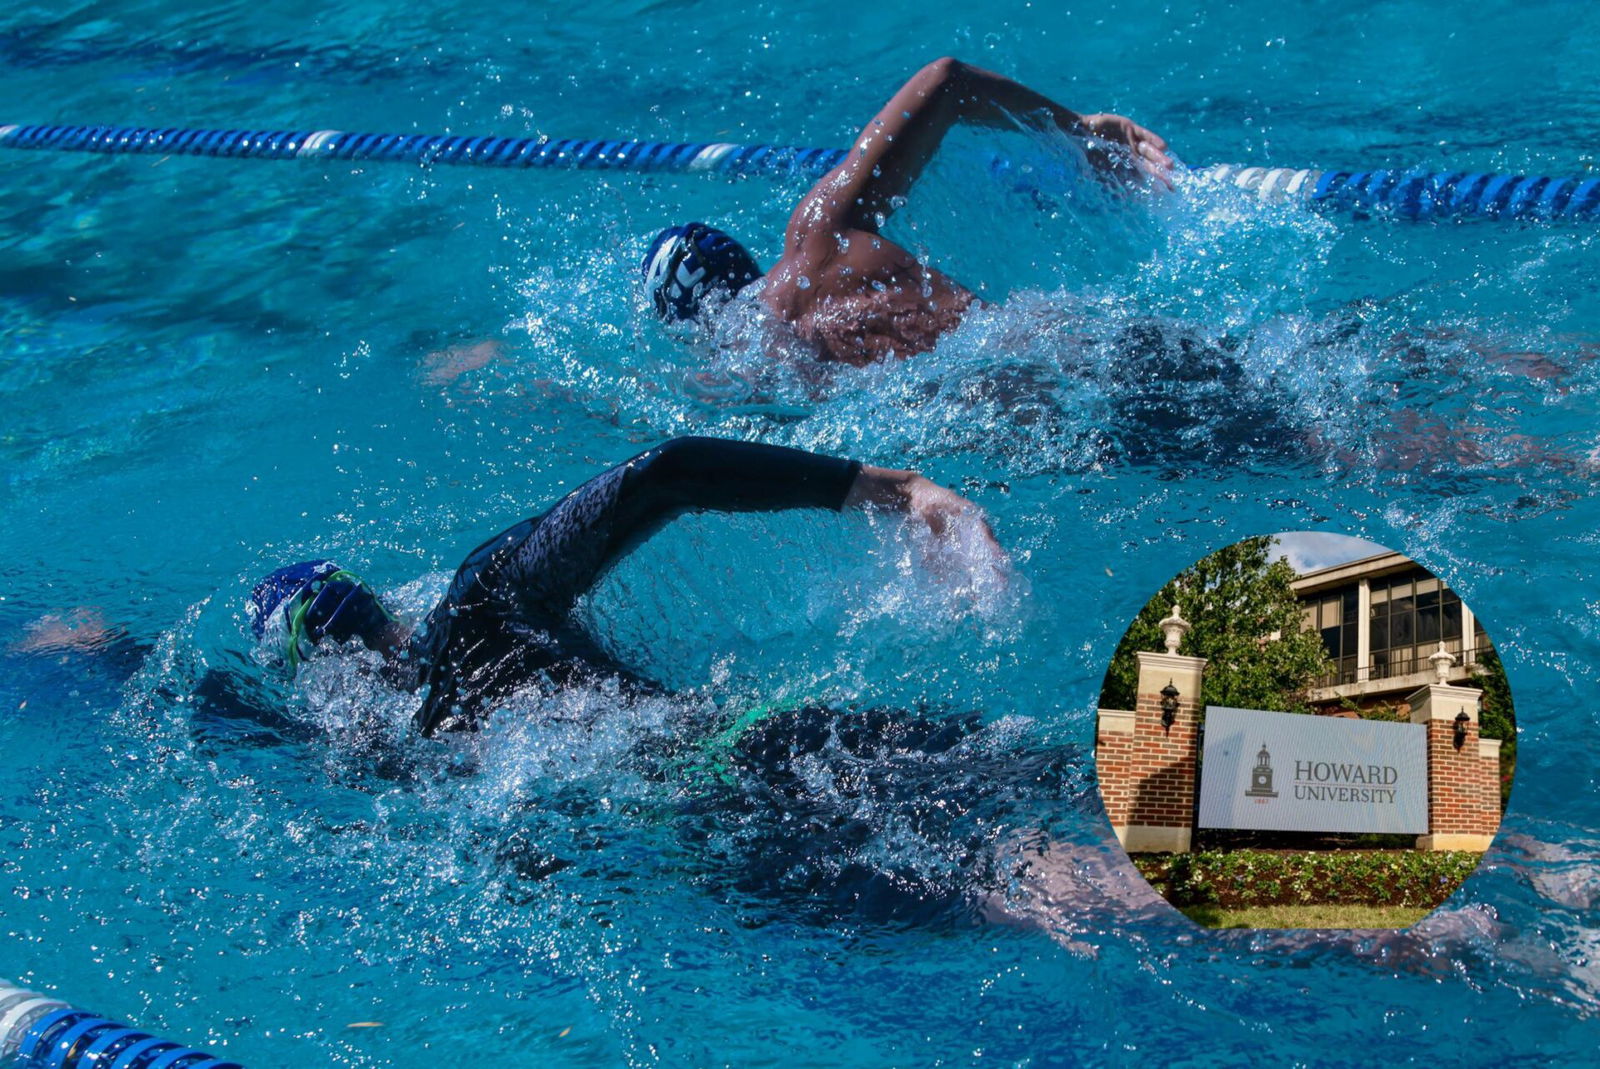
507 615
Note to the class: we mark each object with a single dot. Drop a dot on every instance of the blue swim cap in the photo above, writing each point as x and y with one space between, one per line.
687 262
320 600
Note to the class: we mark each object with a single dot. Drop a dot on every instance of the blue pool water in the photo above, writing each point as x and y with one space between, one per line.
211 367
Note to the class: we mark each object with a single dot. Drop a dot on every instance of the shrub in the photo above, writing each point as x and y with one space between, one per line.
1243 878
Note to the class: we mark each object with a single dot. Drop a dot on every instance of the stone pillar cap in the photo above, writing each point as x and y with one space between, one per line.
1173 628
1442 662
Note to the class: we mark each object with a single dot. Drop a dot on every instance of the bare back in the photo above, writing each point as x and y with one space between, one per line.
860 298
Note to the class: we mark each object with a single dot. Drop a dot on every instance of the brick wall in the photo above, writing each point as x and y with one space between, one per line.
1113 763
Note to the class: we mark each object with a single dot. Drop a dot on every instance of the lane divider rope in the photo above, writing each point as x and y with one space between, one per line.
1410 194
39 1032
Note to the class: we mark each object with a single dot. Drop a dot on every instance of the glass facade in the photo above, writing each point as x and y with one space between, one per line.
1410 613
1333 615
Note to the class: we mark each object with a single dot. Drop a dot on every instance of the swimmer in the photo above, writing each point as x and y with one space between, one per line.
841 285
506 620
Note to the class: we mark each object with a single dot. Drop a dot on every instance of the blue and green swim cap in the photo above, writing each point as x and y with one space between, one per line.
319 600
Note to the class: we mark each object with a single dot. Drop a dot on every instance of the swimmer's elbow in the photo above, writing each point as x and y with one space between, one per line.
940 72
670 465
680 450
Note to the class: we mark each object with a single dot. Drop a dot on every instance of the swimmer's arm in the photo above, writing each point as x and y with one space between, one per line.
893 149
540 568
710 474
566 553
695 474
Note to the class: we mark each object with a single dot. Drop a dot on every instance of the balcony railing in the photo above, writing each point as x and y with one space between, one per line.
1386 665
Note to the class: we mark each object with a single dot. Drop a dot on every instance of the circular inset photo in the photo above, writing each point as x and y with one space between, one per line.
1305 730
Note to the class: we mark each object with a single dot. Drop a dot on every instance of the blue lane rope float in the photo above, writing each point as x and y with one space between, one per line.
1421 194
1411 194
527 152
38 1032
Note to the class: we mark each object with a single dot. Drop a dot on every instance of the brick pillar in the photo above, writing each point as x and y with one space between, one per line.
1464 781
1146 770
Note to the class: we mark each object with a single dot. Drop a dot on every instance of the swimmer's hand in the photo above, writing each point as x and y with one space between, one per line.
1121 147
82 629
944 512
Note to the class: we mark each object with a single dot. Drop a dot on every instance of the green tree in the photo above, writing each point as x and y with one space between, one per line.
1497 719
1236 599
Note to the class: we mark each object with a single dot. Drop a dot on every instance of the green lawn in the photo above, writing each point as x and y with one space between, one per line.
1329 916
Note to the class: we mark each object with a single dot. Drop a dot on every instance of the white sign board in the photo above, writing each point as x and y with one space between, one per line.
1287 772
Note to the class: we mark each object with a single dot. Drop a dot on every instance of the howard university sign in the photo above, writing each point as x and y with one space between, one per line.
1332 774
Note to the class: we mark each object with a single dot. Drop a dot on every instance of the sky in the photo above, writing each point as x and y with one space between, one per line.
1309 550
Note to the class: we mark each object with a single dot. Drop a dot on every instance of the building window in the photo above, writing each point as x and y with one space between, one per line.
1412 614
1334 616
